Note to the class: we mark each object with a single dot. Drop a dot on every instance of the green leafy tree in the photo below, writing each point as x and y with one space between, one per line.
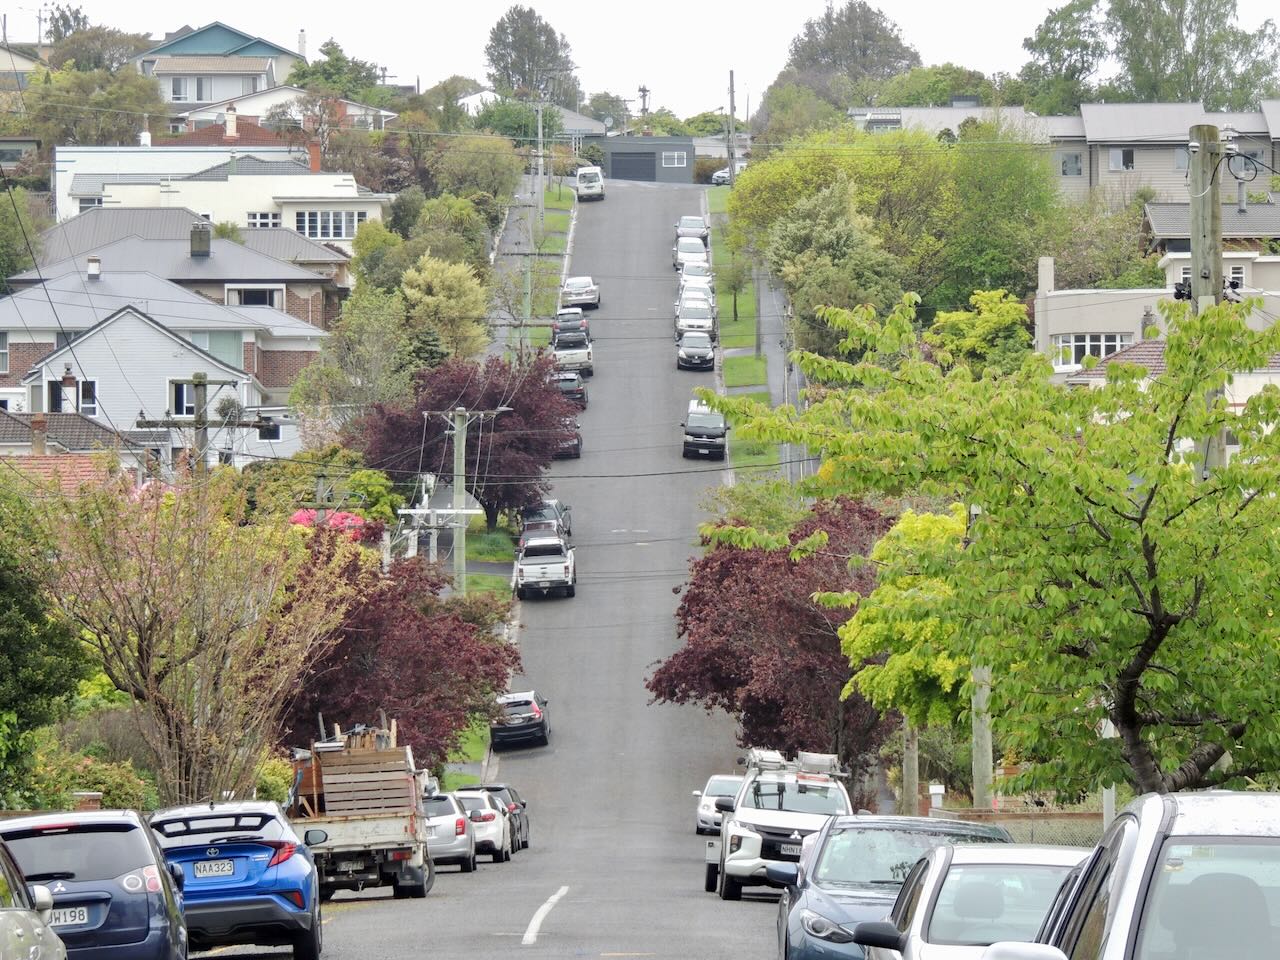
733 277
453 229
228 230
1094 244
517 120
1066 50
1104 578
604 104
448 300
441 102
405 209
478 164
64 20
934 86
98 48
92 108
21 220
665 123
995 334
527 57
709 123
336 74
789 111
845 45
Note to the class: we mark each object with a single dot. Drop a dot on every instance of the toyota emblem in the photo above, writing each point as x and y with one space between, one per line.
211 852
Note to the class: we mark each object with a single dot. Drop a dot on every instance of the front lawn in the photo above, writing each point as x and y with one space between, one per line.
747 371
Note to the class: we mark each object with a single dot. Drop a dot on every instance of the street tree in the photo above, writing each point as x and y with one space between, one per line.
206 621
848 44
92 108
1104 577
477 164
278 488
527 58
402 648
448 300
733 277
506 457
757 646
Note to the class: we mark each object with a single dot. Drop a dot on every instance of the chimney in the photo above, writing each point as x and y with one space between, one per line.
39 431
70 395
232 133
201 237
144 138
95 268
313 154
302 44
1044 275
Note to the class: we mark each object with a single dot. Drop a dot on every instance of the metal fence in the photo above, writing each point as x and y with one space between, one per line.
1058 827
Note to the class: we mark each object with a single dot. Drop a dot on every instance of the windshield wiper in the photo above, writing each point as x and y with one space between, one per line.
51 875
236 838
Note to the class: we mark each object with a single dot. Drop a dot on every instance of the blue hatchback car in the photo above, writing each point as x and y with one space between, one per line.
114 898
249 879
850 871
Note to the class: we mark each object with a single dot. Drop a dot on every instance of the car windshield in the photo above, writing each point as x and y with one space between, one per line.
722 787
797 797
438 807
870 856
695 310
691 245
705 420
691 223
1212 897
696 340
98 851
981 903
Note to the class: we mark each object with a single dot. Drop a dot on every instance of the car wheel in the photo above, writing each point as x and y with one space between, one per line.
577 452
500 855
524 844
571 590
419 890
326 894
545 739
307 946
520 593
730 888
469 865
709 878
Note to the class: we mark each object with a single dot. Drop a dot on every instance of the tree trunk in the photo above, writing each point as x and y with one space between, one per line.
735 306
491 514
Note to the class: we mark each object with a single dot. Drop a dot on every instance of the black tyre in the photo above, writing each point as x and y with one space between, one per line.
571 590
419 890
730 888
544 740
468 865
524 844
709 878
520 594
501 856
326 894
308 945
399 891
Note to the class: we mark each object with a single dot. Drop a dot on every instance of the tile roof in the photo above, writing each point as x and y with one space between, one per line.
71 431
1173 220
68 472
1150 355
193 64
171 259
247 132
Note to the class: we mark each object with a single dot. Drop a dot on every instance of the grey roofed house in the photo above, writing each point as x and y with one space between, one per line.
1172 221
579 124
931 119
172 260
73 303
73 431
252 167
291 246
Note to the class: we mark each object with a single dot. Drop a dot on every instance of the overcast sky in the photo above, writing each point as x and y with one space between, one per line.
683 51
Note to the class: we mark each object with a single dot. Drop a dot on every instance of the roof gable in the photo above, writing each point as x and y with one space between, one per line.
214 38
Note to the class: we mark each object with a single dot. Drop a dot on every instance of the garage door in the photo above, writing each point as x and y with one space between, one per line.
640 165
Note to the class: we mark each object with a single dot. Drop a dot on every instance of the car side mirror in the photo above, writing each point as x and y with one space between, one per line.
879 933
315 837
682 423
783 874
725 804
697 793
1014 950
41 897
179 878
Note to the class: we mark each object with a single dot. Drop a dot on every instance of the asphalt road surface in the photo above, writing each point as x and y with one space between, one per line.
609 800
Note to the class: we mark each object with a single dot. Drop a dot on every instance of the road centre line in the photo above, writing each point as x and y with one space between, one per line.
531 932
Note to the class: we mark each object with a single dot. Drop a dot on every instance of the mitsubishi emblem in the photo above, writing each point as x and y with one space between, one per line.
795 835
59 887
211 852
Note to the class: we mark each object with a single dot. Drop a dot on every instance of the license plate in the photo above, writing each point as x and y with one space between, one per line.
350 865
790 849
544 583
70 917
214 868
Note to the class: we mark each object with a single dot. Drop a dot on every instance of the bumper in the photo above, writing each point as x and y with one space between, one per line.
716 451
452 849
537 586
261 920
528 731
579 301
708 821
158 945
696 363
489 840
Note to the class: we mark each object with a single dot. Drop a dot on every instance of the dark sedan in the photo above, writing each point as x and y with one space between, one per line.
571 385
851 871
695 351
571 443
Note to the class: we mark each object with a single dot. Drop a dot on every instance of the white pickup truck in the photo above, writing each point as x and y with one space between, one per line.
543 565
369 802
573 352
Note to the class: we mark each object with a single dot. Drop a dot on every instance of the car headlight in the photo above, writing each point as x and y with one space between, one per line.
816 925
738 830
682 355
689 438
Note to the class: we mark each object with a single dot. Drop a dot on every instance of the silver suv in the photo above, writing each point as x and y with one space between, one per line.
450 836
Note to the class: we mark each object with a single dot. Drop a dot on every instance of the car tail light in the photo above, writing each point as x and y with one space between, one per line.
460 826
512 807
295 897
401 854
566 569
488 816
283 851
148 878
151 878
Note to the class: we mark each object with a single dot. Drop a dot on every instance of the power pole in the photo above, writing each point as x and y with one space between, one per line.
1206 253
980 710
541 188
200 383
733 134
460 417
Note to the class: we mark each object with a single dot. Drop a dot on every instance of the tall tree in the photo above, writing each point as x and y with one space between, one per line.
337 74
604 104
1179 50
506 457
789 110
98 48
934 86
479 164
64 20
92 108
1066 50
527 58
846 45
447 299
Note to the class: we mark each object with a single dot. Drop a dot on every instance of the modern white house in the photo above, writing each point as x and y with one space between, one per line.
254 107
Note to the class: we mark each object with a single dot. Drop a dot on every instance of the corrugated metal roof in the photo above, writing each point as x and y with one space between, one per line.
91 184
1173 220
291 246
1163 122
1271 111
211 64
171 259
936 119
251 167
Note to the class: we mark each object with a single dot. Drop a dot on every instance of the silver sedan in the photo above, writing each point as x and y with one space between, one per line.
580 292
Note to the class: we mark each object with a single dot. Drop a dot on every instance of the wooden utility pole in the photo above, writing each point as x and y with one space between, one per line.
460 417
1206 253
200 383
980 709
733 135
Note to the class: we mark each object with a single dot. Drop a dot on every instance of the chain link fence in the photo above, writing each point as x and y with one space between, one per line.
1033 825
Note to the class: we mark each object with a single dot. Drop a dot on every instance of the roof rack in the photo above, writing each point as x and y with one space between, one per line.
824 763
758 758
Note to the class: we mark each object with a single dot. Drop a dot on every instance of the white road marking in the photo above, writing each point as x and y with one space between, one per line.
531 933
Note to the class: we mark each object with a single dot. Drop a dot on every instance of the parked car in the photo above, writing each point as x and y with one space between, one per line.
694 297
693 227
589 183
695 351
26 915
540 530
550 510
851 870
702 286
570 320
248 877
959 899
517 807
523 716
696 315
571 445
570 383
573 353
720 177
706 818
491 822
580 292
113 893
1175 875
688 250
543 566
450 836
705 431
695 269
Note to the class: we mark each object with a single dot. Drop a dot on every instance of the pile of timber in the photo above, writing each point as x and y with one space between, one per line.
358 773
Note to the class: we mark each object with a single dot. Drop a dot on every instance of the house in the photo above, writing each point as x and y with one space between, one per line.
658 159
934 120
476 102
229 131
255 107
222 271
574 124
116 346
13 149
213 64
1255 226
68 473
19 61
95 228
76 436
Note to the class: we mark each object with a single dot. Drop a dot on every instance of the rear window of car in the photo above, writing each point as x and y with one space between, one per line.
184 831
544 550
691 245
439 806
516 707
695 340
694 223
81 852
578 284
470 803
697 270
695 310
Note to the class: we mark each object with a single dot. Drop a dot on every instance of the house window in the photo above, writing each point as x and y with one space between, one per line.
1071 164
204 89
89 397
4 352
263 220
256 295
4 404
184 400
61 339
178 89
1236 275
1185 273
1122 158
11 154
226 345
269 433
88 203
673 158
1070 349
147 67
249 84
329 224
54 392
1181 158
226 458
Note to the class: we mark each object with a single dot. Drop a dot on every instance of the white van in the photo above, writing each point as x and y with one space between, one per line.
590 183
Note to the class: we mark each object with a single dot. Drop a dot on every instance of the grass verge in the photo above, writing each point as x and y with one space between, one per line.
486 547
489 583
553 243
718 199
555 222
743 332
473 744
558 198
748 371
754 454
450 781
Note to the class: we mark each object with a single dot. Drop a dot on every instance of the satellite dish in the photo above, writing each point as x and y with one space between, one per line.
608 122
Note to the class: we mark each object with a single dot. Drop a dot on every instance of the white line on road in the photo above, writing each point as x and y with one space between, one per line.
531 933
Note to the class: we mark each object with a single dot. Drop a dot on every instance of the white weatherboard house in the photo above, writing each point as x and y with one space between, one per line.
254 108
